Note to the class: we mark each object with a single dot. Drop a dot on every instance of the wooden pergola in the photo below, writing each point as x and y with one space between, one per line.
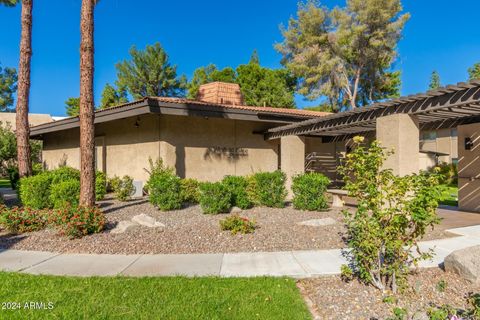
445 107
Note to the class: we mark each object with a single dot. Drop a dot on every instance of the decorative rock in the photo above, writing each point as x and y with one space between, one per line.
124 226
420 316
147 221
318 222
466 263
235 210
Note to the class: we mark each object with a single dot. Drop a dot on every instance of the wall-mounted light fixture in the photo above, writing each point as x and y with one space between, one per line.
468 143
137 122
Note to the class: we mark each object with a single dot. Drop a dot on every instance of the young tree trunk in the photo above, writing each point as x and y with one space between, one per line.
87 129
22 126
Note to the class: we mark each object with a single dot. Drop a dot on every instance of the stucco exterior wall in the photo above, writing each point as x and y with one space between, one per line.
204 149
209 149
469 168
400 132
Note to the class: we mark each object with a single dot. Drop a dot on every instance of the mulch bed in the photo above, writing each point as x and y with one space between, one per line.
189 231
332 298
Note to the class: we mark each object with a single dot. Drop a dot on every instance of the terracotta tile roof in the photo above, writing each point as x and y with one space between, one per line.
287 111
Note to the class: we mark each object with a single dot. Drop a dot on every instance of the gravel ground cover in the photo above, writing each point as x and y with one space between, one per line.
189 231
333 298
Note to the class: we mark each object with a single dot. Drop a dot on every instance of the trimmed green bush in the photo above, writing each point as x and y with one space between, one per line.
238 189
164 190
215 198
309 191
268 189
122 187
63 174
190 191
65 193
100 185
34 191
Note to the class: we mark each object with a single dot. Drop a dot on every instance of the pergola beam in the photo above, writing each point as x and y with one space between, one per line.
450 103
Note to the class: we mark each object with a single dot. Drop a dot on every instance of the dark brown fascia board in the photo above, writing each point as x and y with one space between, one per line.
147 106
201 110
135 109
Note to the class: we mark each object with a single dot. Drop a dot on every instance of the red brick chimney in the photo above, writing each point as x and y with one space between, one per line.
220 92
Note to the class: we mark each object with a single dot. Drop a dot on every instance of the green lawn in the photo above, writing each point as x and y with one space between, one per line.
152 298
450 196
5 183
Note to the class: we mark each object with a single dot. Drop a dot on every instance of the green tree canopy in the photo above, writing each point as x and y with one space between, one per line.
9 3
112 96
262 86
434 81
8 86
209 74
149 73
346 53
474 71
72 105
259 86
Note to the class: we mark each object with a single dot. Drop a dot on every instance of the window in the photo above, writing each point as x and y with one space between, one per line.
429 135
454 132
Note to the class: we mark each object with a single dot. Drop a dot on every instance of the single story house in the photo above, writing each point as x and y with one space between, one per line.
34 119
205 139
217 135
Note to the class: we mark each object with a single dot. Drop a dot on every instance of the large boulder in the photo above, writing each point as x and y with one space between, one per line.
466 263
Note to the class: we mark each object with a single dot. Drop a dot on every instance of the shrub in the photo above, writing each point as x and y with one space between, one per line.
76 222
309 191
214 197
448 173
13 176
65 193
164 190
238 189
237 224
63 174
268 189
34 191
100 185
122 187
393 214
22 219
190 191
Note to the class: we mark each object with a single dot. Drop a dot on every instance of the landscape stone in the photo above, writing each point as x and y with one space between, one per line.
147 221
124 226
318 222
235 210
466 263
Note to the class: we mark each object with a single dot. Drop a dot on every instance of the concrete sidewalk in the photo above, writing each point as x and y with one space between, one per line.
299 264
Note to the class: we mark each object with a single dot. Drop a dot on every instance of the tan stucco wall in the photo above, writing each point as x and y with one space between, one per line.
400 132
444 143
469 168
209 149
292 158
204 149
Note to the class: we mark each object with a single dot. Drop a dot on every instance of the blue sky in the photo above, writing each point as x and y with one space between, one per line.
441 35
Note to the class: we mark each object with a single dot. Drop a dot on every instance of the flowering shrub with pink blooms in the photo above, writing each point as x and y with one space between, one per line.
24 219
76 222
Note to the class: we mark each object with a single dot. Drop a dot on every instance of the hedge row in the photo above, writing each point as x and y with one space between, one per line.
168 192
56 188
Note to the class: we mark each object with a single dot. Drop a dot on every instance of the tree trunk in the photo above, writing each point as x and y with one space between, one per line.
87 129
22 126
